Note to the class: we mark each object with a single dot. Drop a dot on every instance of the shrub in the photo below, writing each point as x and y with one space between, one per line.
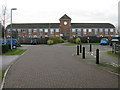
77 41
57 40
5 48
50 42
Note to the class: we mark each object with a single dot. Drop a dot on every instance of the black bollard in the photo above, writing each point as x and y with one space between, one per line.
77 49
97 56
83 53
80 48
90 48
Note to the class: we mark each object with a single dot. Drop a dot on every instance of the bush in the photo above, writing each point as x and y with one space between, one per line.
57 40
50 42
5 48
77 41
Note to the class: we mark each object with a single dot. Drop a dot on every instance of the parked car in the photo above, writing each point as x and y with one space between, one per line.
114 40
104 41
8 41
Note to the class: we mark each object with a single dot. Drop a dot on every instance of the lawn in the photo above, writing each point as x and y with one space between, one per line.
15 52
115 69
112 54
72 44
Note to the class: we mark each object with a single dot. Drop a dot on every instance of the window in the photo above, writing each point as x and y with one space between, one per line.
73 30
96 31
51 31
23 30
84 31
19 30
29 31
106 31
101 30
41 31
111 30
34 30
57 30
46 30
35 36
8 30
79 31
89 30
14 29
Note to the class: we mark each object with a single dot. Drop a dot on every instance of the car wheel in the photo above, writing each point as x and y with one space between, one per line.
14 47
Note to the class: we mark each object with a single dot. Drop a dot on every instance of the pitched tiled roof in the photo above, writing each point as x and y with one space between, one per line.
35 25
57 25
92 25
65 17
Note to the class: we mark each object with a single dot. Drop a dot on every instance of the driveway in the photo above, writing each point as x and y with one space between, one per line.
56 67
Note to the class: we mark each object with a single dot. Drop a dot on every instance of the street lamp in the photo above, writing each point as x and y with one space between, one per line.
11 25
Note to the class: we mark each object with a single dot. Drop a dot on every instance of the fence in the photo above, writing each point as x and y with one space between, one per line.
116 48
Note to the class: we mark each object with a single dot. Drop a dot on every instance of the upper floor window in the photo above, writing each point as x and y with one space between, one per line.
106 31
101 30
111 30
46 30
84 31
51 31
23 30
41 31
56 30
34 30
8 30
79 31
19 30
73 30
89 30
29 31
96 31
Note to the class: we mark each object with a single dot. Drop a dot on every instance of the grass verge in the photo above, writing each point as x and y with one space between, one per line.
69 44
112 54
15 52
72 44
114 69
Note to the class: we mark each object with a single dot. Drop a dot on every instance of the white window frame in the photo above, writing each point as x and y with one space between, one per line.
96 31
41 31
51 31
30 31
46 30
84 31
8 30
101 29
57 30
106 32
111 30
89 30
35 30
73 30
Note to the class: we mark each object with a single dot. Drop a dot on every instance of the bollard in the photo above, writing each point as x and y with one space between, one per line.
97 56
83 53
77 49
90 48
80 48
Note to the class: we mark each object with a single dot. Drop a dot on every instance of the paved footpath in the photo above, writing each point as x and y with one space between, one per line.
56 67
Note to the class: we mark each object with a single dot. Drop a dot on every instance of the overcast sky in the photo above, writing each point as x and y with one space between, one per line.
49 11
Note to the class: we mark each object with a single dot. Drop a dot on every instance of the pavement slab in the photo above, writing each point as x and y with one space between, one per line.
56 67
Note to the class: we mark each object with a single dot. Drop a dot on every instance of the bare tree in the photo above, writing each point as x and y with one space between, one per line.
4 18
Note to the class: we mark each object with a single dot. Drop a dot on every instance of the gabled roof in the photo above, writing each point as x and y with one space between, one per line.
35 25
65 17
92 25
57 25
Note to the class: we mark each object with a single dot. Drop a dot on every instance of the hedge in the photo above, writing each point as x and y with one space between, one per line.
5 48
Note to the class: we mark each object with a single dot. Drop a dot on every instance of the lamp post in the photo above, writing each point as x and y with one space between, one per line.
11 25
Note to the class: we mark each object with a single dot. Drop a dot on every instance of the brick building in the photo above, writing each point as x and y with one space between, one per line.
63 29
